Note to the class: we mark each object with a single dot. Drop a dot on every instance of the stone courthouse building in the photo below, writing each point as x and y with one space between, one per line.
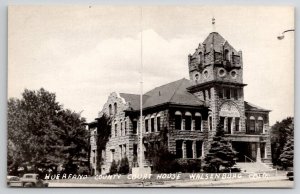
189 111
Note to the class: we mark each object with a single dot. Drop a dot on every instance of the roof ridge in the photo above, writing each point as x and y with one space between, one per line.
176 89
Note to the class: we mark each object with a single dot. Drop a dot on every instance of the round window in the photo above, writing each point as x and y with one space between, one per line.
222 72
205 74
233 74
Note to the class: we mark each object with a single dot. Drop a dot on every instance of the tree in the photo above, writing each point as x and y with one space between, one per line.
41 134
279 136
287 156
220 153
103 134
113 167
124 166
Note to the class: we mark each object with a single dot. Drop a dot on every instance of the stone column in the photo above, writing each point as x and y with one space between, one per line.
183 149
258 154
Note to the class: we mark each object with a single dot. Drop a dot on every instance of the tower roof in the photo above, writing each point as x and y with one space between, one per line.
216 41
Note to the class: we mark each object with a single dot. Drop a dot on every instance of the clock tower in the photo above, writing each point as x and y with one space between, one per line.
216 70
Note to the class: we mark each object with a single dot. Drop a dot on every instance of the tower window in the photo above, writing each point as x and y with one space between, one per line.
209 96
237 124
220 92
227 93
226 54
235 94
222 121
110 109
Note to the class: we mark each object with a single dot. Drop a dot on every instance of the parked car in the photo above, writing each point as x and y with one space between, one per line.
28 180
12 180
290 175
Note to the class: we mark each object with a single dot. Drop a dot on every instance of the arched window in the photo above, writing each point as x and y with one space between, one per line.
226 54
115 108
260 124
178 118
152 124
109 109
252 124
188 121
200 57
198 122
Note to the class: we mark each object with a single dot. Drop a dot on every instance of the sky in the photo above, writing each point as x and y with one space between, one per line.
84 53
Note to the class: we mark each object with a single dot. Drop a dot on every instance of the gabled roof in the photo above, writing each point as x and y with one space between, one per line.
251 107
172 93
216 40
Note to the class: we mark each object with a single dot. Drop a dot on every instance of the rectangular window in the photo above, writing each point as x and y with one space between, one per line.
235 94
152 124
189 149
210 123
229 124
121 129
116 130
237 124
146 126
178 122
260 125
188 123
158 123
199 149
222 121
221 93
134 127
227 93
125 127
204 95
179 149
198 123
252 125
209 95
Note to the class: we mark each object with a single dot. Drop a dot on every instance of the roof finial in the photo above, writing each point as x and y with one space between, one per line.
213 22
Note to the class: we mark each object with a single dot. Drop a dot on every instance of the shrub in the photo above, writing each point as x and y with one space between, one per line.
124 166
113 168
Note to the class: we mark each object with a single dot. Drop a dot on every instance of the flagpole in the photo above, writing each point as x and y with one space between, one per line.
141 98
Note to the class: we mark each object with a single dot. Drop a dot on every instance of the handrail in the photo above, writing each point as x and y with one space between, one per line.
246 157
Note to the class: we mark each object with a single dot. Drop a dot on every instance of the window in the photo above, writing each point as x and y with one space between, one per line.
115 108
158 123
221 93
116 130
226 54
252 124
125 127
134 126
222 121
121 129
178 120
152 124
179 149
235 94
189 149
198 122
188 121
237 124
146 126
204 95
229 124
227 93
260 124
112 152
210 123
135 150
110 109
198 149
209 96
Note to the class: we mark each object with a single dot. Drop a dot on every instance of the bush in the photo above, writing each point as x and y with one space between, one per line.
189 165
124 166
113 168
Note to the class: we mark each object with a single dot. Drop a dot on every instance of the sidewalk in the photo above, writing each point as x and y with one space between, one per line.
200 183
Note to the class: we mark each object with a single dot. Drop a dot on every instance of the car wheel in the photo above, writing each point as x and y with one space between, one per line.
28 185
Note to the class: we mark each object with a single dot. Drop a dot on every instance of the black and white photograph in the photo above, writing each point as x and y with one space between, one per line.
150 96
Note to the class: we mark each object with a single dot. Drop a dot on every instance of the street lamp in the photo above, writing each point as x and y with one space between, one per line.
280 37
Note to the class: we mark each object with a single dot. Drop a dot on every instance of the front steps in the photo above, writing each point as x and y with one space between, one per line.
253 167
